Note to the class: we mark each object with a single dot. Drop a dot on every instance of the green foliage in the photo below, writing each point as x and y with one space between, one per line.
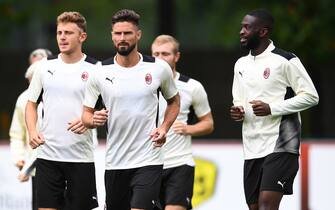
303 27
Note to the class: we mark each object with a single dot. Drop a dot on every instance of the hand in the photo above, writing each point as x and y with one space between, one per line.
237 113
35 140
76 126
180 127
100 117
158 136
19 164
23 177
260 108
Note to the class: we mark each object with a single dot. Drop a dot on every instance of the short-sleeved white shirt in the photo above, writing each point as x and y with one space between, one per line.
130 95
61 87
177 150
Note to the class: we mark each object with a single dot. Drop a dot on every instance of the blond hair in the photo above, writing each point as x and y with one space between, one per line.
73 17
163 39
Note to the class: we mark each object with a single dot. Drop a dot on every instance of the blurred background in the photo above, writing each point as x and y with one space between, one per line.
209 35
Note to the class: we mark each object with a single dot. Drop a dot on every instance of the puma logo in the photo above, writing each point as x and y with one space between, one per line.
111 80
281 184
52 73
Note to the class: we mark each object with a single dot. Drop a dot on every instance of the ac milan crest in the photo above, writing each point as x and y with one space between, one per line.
266 73
84 76
148 78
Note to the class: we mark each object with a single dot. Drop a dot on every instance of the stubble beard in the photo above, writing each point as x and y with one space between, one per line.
124 50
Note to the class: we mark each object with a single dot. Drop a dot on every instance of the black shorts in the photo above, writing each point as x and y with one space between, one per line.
177 186
66 185
275 172
133 188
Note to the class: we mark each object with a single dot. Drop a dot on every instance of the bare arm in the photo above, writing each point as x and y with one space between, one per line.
92 118
35 138
204 126
158 135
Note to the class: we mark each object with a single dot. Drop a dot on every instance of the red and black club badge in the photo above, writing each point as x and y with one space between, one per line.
148 78
84 76
266 73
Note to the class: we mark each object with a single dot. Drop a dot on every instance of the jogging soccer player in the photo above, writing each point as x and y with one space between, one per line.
65 172
129 84
178 175
270 88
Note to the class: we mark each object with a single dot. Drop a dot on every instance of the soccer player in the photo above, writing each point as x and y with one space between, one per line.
129 84
19 142
178 175
270 88
65 172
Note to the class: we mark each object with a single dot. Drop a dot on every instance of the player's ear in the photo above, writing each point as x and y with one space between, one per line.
177 57
138 34
83 36
263 32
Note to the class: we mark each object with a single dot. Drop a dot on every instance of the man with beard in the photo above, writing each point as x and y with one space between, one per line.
270 88
129 84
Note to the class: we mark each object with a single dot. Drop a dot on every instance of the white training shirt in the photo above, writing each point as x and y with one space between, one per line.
62 88
130 95
177 149
271 77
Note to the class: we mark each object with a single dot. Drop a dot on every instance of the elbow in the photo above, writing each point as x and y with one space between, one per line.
211 129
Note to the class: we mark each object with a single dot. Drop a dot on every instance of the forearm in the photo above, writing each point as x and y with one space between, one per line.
87 117
200 128
296 104
171 112
17 150
31 117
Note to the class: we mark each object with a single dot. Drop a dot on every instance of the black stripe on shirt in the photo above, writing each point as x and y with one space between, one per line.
149 59
283 53
184 78
52 57
108 61
91 60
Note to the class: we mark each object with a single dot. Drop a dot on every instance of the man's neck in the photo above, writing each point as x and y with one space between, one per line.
129 60
72 57
261 48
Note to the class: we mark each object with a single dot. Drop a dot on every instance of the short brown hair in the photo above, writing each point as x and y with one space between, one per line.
73 17
162 39
126 15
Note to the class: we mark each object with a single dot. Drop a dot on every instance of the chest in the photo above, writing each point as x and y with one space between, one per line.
262 75
65 80
129 84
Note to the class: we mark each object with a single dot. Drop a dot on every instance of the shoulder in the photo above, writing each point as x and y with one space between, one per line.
183 78
160 63
241 60
284 54
108 61
148 59
190 82
52 57
91 60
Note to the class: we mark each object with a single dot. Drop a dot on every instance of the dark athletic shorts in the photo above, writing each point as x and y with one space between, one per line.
275 172
133 188
65 185
177 186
